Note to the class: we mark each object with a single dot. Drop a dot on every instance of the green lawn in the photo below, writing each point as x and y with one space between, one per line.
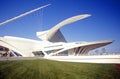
46 69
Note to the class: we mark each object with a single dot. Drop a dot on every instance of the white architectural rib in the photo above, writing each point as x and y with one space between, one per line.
6 44
91 44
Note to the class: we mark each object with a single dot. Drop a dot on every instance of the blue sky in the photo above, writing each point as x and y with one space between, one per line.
104 24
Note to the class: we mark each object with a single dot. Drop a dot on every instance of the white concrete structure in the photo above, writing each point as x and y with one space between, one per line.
110 59
30 48
53 42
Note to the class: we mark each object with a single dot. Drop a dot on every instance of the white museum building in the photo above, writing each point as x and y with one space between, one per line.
53 44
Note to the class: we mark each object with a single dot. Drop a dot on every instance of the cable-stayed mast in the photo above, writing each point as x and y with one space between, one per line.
22 15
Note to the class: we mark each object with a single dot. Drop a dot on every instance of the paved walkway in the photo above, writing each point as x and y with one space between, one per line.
19 58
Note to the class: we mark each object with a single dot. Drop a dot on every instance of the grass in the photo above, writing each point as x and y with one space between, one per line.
46 69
